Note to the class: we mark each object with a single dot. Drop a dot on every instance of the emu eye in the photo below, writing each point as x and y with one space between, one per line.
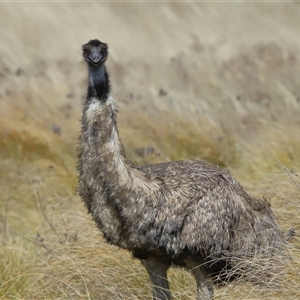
86 52
104 51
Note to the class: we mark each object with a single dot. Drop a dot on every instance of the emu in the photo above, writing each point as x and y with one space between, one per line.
184 213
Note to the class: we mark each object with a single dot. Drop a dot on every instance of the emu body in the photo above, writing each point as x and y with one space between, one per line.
184 213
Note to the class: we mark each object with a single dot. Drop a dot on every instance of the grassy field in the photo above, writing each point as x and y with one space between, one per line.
213 81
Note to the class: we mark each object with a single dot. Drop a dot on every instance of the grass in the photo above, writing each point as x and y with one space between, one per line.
199 94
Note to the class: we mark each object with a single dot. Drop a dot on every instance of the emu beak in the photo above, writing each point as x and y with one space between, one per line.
96 58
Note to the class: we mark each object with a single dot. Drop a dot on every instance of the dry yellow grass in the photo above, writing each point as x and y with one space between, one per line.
212 81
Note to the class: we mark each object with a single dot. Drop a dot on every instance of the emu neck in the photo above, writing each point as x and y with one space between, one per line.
102 164
99 86
102 143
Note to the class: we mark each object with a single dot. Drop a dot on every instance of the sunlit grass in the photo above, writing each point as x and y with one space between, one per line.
49 242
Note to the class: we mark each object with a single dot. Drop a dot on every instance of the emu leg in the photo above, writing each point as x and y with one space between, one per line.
205 289
158 275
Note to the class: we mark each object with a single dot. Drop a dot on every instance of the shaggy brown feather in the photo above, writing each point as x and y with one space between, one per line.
185 213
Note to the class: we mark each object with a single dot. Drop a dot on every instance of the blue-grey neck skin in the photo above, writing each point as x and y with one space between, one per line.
99 85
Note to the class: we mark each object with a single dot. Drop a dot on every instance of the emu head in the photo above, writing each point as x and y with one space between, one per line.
95 52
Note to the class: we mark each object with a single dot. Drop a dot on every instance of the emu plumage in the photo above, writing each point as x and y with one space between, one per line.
184 213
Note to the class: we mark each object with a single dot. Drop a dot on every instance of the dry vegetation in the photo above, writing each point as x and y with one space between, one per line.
219 82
